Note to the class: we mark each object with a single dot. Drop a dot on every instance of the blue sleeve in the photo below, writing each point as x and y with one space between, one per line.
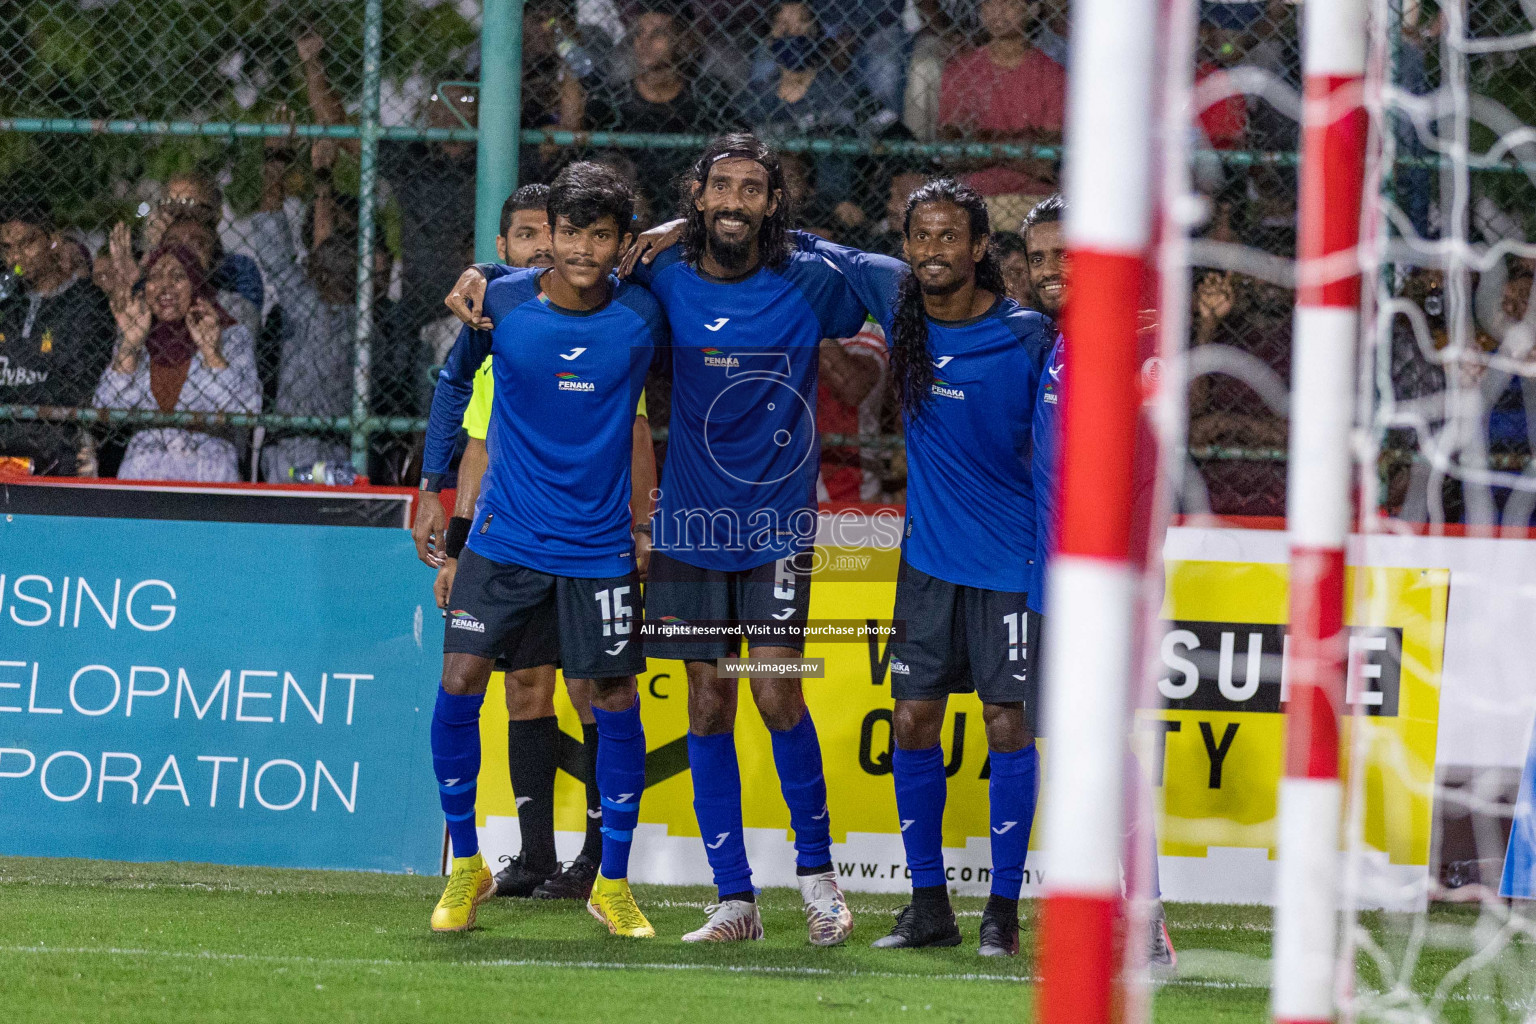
875 279
645 306
454 386
505 293
1034 333
1045 471
491 271
645 274
240 274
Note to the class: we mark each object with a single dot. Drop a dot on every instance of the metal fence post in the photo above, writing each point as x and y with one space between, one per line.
373 18
501 86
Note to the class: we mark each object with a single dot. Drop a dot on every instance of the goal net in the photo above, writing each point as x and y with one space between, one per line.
1439 692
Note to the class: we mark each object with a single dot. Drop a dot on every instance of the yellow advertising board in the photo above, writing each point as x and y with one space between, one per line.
1224 735
1213 751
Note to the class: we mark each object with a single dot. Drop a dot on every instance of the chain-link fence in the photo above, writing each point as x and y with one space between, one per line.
198 285
244 133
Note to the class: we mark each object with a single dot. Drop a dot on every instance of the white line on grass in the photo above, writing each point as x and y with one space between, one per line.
317 961
809 972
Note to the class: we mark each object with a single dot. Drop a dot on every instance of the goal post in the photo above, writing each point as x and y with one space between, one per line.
1093 584
1319 509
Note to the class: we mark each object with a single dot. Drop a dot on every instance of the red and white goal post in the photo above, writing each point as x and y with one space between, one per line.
1110 148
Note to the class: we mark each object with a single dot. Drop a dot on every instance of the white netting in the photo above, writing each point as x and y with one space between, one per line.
1449 406
1446 427
1448 409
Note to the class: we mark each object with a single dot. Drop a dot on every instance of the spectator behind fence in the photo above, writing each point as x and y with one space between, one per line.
1053 29
196 196
1224 29
177 350
55 338
1230 408
805 97
885 235
848 401
1012 256
319 326
665 95
871 34
201 240
1005 91
433 185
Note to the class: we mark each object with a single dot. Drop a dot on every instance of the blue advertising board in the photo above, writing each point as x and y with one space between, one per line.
225 692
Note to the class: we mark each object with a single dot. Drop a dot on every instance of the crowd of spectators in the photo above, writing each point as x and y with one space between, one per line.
195 307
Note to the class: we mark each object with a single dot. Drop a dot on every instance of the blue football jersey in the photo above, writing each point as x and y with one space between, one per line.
1043 468
738 488
970 498
555 497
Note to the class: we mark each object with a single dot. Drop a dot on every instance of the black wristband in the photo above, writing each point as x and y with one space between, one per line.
458 534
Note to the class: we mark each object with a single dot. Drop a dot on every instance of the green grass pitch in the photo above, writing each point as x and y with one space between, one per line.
108 941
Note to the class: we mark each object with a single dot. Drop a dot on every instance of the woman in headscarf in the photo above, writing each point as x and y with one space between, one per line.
178 350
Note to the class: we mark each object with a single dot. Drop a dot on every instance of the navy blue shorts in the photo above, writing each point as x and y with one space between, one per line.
494 608
963 639
775 597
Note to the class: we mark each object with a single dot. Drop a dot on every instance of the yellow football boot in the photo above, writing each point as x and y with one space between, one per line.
469 886
613 904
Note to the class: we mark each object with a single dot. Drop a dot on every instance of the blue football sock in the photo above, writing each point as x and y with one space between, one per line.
797 756
920 791
1012 792
456 761
620 781
717 805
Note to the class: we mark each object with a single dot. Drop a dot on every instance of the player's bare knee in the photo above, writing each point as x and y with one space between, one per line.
531 693
465 674
781 702
581 698
711 701
916 723
616 694
1006 728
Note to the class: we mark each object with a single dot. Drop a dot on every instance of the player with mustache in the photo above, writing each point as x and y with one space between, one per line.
735 521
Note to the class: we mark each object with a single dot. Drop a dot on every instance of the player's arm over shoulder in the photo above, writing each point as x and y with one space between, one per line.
1035 332
874 280
509 291
645 274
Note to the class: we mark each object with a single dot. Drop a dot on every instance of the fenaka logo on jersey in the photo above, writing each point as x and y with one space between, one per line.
715 357
461 619
569 381
944 389
899 668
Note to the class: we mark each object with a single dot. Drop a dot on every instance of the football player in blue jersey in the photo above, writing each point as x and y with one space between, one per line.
1046 262
533 732
735 521
967 362
572 346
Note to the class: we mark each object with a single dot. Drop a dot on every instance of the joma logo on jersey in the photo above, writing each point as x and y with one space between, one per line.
944 389
715 357
569 381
